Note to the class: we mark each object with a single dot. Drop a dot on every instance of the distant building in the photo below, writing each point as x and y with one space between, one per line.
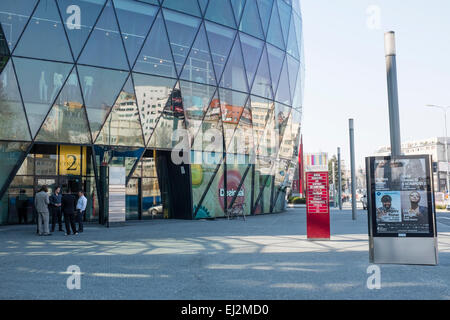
434 147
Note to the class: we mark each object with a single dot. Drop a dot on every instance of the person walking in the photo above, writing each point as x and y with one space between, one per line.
22 206
81 208
68 209
55 207
41 202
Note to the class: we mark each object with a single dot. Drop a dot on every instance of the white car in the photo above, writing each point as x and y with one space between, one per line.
155 210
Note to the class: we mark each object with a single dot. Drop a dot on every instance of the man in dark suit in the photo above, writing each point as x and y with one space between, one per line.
68 209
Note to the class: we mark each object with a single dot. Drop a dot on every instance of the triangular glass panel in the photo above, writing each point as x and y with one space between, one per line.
298 33
135 20
203 4
292 46
40 83
274 34
198 66
293 70
262 85
152 94
13 123
14 15
276 58
286 147
188 6
281 117
283 92
67 121
100 89
263 124
4 51
265 9
220 42
104 47
238 7
285 16
242 142
123 126
156 56
220 11
232 106
53 46
251 50
210 134
171 119
196 99
182 30
250 22
234 76
11 155
79 19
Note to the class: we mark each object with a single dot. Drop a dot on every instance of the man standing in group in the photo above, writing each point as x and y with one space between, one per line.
41 202
22 206
68 209
55 206
81 207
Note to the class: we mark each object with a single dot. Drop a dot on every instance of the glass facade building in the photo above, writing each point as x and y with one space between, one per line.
90 84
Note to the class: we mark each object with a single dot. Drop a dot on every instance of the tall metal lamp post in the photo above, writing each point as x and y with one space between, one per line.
445 109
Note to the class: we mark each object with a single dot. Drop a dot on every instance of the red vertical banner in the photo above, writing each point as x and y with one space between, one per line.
300 166
317 206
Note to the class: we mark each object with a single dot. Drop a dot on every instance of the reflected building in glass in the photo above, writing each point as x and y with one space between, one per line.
90 84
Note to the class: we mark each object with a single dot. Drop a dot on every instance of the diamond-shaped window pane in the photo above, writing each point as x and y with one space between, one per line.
14 15
274 34
67 121
40 83
196 99
251 50
152 94
156 57
135 20
250 22
79 18
234 76
100 88
104 47
238 7
262 85
220 11
53 46
13 124
123 126
265 9
182 30
276 58
198 66
220 42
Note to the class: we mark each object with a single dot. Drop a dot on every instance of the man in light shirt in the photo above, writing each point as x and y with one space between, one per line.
81 208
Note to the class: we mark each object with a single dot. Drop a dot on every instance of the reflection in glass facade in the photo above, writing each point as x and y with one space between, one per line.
120 76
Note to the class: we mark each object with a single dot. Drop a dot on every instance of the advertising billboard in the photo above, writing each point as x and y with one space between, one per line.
402 219
401 196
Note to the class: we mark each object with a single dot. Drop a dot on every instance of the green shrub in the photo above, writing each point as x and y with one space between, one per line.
297 200
441 206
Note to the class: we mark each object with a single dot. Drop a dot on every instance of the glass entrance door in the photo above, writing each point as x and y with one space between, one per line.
73 183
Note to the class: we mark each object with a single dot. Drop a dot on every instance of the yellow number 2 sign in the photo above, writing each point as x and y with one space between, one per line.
70 160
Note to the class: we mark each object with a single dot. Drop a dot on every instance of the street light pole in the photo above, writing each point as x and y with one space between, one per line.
444 109
394 115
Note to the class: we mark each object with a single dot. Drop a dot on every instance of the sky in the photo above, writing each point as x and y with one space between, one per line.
346 72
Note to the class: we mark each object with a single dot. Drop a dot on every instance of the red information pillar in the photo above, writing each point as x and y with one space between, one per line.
317 206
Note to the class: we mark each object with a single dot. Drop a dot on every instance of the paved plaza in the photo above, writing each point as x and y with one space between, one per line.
265 257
